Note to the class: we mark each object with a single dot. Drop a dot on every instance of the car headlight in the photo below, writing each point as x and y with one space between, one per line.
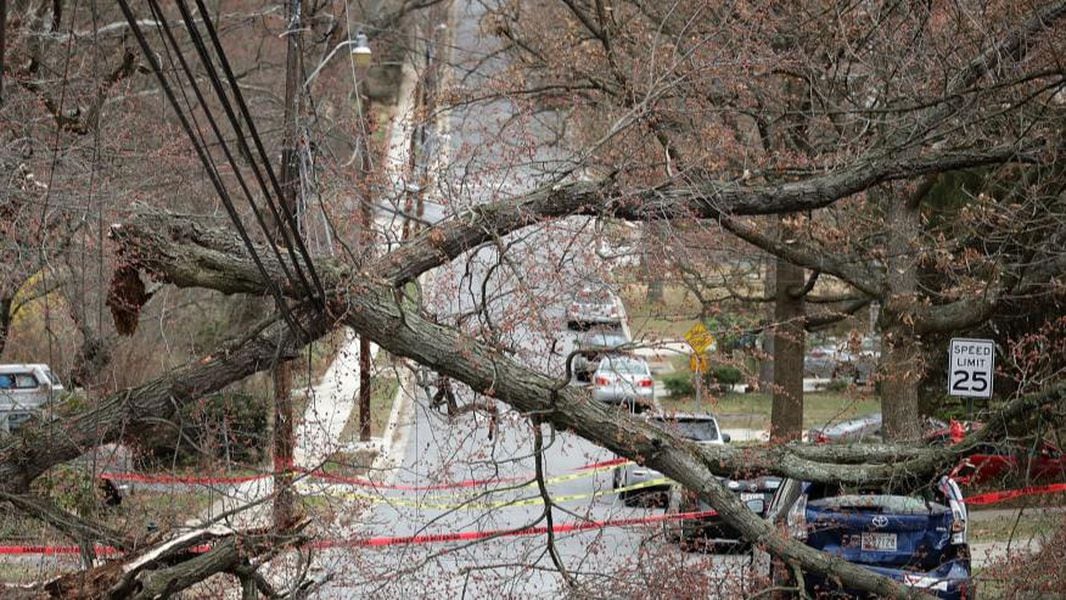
733 485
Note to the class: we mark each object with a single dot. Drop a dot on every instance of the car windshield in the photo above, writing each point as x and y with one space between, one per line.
700 430
625 366
924 496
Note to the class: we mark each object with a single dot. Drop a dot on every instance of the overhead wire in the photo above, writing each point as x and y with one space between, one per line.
208 163
289 218
166 30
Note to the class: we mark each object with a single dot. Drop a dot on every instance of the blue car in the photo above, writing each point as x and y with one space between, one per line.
917 538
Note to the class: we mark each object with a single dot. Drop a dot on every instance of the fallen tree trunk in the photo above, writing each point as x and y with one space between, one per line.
379 312
174 565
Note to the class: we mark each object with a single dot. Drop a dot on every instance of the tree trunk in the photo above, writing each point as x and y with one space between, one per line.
5 321
766 364
901 361
651 234
786 417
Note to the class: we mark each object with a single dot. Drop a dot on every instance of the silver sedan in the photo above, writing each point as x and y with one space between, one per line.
623 379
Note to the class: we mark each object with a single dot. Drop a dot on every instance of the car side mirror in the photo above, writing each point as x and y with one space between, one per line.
726 438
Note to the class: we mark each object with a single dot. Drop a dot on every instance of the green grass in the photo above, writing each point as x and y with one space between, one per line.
1004 527
669 319
752 411
21 573
384 383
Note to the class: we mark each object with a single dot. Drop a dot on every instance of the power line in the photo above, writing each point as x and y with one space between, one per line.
165 28
208 164
289 219
284 225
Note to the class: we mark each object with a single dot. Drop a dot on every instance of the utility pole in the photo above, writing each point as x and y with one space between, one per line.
362 55
284 437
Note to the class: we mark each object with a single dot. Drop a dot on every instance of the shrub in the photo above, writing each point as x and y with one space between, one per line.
679 384
837 385
726 375
229 426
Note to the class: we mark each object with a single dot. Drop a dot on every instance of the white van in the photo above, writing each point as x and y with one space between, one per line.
24 389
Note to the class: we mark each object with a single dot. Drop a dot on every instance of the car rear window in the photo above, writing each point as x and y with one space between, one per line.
625 366
900 505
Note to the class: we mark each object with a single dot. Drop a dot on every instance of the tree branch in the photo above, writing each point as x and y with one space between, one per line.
675 200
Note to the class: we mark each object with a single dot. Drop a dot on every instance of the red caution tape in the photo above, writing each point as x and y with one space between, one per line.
614 462
464 536
55 550
1004 495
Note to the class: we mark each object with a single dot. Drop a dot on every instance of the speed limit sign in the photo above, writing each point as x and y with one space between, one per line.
970 367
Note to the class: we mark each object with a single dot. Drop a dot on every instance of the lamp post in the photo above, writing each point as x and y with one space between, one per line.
361 56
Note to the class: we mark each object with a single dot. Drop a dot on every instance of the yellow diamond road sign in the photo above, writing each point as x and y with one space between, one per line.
699 338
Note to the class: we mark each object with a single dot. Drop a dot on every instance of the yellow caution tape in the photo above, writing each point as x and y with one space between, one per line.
450 498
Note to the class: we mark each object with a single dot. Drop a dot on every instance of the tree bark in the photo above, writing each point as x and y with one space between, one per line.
175 251
766 364
786 416
901 361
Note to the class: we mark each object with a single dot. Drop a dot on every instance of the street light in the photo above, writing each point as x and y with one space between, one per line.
361 51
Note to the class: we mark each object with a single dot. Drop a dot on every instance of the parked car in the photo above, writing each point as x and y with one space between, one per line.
593 345
861 429
594 305
916 538
24 390
990 461
710 531
844 360
866 428
702 429
624 380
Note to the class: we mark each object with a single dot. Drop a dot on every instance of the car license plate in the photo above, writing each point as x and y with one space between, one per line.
879 542
745 496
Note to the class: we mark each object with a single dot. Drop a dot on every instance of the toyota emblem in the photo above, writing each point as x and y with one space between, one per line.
879 521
